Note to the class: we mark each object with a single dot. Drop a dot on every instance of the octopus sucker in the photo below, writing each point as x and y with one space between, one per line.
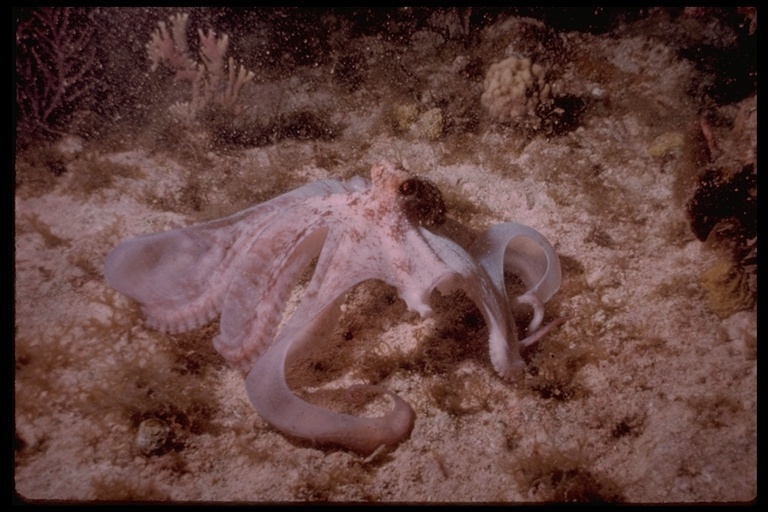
245 266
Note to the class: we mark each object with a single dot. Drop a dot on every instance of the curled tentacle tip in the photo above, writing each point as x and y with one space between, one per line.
540 333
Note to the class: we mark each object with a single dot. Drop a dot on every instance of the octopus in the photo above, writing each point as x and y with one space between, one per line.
245 266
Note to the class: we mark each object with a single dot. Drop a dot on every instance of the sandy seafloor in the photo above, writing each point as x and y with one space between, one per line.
647 393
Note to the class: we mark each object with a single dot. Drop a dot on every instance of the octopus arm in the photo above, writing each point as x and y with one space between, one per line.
480 286
280 407
266 382
181 276
525 252
255 302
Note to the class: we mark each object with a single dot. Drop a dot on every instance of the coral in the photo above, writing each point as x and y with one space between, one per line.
727 289
514 88
403 116
213 83
406 118
430 124
55 65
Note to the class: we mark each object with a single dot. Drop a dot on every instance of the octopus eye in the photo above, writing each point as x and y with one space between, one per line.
422 202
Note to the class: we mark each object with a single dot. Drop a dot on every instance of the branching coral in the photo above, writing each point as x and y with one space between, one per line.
213 82
55 65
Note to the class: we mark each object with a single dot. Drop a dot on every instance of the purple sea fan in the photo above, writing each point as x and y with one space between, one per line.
55 65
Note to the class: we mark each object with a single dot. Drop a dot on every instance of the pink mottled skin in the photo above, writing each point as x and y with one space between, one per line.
245 266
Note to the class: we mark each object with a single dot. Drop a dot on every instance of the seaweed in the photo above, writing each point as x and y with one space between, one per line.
553 475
